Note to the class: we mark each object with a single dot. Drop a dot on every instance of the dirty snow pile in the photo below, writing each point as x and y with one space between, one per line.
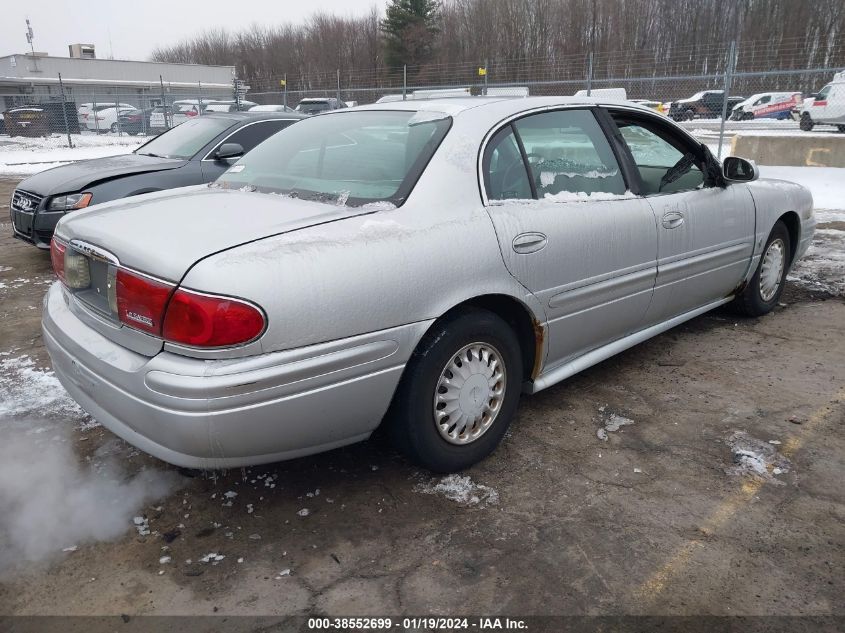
611 422
50 501
755 457
26 156
460 489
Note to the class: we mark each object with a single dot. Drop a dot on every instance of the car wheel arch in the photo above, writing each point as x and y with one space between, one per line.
793 226
529 330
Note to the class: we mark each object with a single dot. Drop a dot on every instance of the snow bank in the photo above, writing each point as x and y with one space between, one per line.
27 156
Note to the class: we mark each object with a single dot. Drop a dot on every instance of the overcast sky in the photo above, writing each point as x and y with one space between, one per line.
132 29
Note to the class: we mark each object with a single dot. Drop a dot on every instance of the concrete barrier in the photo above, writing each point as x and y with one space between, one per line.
813 150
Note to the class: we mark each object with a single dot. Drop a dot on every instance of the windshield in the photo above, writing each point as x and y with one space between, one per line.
312 107
351 158
185 140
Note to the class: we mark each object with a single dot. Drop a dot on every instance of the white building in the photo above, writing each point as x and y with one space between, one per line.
27 78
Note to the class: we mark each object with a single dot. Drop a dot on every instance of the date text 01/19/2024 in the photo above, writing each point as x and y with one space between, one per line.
418 623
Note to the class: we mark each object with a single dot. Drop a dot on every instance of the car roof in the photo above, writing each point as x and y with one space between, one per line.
253 116
456 105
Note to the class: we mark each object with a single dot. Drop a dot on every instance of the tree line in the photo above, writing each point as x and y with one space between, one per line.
521 40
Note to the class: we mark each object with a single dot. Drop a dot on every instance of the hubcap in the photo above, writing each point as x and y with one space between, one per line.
772 270
469 393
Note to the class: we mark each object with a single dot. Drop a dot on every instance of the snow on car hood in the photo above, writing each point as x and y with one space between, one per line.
165 233
85 173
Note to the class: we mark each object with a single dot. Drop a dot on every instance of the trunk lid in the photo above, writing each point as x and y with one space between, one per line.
164 234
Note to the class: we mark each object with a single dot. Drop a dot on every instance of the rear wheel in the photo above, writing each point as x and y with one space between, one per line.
763 291
806 123
841 128
459 392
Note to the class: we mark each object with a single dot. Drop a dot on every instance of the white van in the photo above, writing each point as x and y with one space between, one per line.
617 94
827 107
766 105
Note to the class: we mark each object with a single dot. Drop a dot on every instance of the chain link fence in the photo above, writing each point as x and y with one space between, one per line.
75 113
714 91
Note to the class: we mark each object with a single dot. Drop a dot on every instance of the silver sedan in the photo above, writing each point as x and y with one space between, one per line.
416 265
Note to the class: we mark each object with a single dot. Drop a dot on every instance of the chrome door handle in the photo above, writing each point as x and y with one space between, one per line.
673 219
529 242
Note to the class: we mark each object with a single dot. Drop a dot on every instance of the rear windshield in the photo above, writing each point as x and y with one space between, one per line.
186 139
351 158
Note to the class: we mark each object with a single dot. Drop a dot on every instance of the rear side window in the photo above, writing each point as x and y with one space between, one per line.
505 175
568 153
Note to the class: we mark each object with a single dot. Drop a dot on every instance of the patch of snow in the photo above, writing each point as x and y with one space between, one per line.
460 489
212 557
611 422
304 512
28 390
822 268
755 457
22 156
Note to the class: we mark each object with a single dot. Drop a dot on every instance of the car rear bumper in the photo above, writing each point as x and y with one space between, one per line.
228 413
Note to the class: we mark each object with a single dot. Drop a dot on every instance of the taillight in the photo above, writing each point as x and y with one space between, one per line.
203 320
141 301
57 257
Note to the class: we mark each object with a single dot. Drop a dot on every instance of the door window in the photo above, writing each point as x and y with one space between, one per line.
568 155
665 162
251 135
763 100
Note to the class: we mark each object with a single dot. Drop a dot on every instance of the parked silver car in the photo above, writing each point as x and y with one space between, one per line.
419 263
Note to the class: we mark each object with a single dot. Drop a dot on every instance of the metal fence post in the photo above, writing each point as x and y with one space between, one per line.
144 105
64 110
589 73
338 86
729 70
163 102
199 99
285 96
94 114
404 82
486 72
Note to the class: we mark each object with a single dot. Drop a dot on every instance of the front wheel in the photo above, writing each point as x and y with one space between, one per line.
763 291
806 123
114 128
459 392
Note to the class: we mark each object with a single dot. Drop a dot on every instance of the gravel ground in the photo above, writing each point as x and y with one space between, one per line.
697 473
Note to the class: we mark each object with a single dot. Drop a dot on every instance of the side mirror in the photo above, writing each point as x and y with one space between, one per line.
228 151
736 169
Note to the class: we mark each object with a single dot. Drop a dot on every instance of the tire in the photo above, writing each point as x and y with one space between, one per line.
113 128
841 128
806 123
412 424
688 115
760 295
